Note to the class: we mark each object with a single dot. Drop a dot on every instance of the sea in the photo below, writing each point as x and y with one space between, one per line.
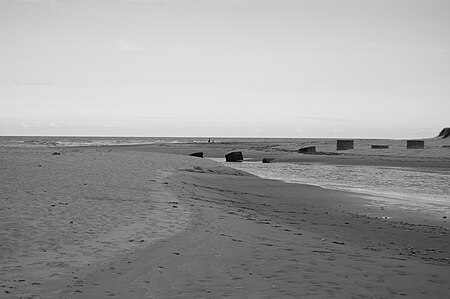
75 141
408 188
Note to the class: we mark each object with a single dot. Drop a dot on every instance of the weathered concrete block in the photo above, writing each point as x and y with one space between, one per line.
197 154
344 145
267 160
415 144
234 157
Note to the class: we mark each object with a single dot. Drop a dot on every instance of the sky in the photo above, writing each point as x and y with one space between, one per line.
237 68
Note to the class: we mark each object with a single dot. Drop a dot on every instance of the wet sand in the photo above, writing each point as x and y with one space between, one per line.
434 154
127 222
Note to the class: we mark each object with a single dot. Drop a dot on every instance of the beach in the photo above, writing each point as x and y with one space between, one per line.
148 221
224 149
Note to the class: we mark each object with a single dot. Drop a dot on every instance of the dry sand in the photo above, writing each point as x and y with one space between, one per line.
126 222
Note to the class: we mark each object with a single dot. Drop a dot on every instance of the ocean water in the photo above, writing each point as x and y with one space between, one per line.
64 141
408 188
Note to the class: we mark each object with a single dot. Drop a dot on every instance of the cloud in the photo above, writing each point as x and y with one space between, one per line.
324 118
32 1
442 50
374 44
184 50
305 46
31 83
126 46
118 46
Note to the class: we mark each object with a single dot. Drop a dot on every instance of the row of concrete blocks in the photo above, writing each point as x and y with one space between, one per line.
349 144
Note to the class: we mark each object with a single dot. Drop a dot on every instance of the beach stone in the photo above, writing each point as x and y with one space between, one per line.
307 150
234 157
197 154
445 132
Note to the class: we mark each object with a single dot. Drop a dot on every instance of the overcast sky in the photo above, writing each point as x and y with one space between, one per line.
280 68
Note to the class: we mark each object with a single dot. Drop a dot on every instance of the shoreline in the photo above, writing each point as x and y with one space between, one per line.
244 236
433 204
434 157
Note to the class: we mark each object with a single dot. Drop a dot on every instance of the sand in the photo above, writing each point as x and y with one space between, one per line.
128 222
434 154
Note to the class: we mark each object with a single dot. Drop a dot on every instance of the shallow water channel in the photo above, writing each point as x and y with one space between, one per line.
410 188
